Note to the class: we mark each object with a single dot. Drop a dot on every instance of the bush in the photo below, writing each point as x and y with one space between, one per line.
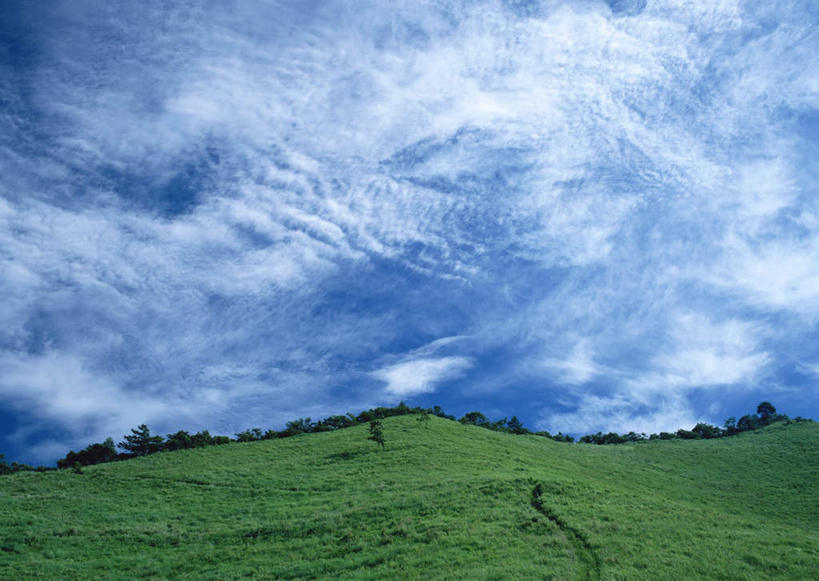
687 434
516 426
296 427
475 419
181 440
93 454
747 423
706 431
561 437
251 435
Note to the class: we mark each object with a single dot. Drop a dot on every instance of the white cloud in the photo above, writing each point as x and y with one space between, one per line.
706 353
623 414
567 175
418 376
812 368
578 367
773 274
59 388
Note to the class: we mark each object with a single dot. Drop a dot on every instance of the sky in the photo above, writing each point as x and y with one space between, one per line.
594 215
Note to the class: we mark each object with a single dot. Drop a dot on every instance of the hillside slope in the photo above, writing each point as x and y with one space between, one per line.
442 501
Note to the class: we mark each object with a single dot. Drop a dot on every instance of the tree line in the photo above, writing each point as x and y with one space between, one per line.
764 416
141 442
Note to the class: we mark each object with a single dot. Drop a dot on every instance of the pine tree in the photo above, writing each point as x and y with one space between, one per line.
141 442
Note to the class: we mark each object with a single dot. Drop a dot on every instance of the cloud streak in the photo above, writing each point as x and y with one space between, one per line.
596 211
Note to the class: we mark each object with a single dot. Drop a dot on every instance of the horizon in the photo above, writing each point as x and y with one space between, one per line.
593 215
505 424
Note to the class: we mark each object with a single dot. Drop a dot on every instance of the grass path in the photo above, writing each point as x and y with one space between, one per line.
589 569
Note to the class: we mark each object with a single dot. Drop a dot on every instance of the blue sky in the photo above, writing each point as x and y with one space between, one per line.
593 215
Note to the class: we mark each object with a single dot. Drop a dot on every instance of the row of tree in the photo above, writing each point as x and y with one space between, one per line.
765 415
6 468
510 426
141 441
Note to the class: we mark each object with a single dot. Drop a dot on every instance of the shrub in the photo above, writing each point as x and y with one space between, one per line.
93 454
706 431
181 440
516 426
250 435
475 419
377 433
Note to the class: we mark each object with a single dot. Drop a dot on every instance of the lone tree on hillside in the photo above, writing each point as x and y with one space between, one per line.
377 433
423 418
141 442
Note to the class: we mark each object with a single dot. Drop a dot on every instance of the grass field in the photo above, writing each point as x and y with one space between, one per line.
443 501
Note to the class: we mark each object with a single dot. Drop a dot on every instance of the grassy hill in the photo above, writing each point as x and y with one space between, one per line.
443 501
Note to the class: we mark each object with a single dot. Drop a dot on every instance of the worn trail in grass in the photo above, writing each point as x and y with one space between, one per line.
443 501
589 562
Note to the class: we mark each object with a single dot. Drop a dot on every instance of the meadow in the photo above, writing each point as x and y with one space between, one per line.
443 500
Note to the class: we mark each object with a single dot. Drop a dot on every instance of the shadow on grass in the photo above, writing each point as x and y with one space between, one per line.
349 455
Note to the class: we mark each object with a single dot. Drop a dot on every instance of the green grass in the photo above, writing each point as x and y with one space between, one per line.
443 501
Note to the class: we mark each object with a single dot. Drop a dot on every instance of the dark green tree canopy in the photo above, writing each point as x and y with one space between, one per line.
93 454
516 426
765 409
474 418
140 442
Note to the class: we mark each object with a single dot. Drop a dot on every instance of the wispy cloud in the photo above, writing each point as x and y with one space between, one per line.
578 367
276 210
623 414
704 353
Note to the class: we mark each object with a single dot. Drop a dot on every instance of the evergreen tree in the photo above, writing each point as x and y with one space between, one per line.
141 442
